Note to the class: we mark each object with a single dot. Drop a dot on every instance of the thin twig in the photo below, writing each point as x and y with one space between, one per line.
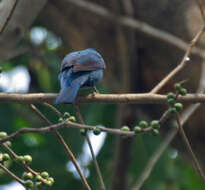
65 146
181 65
11 174
53 108
99 174
9 16
187 143
50 128
199 3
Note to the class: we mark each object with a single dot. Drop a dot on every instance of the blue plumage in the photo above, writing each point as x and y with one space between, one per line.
79 69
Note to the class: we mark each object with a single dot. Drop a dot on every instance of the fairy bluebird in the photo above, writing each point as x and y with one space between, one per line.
79 69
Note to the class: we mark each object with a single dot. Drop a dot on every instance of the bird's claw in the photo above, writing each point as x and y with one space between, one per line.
96 90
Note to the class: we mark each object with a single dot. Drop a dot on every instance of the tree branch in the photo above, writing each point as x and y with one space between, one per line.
137 25
9 16
170 136
182 63
142 98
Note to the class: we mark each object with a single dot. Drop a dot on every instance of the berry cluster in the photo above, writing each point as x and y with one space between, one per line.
39 181
30 180
67 117
176 107
154 127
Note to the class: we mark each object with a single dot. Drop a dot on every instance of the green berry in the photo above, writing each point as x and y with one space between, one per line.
1 157
45 175
60 119
170 95
66 114
28 183
39 178
3 134
6 157
125 128
172 110
155 124
171 102
183 91
137 129
177 87
83 132
51 179
27 158
178 107
39 184
48 183
8 143
143 124
19 158
72 118
96 131
27 175
155 132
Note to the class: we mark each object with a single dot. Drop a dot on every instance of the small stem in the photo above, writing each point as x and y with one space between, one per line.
53 108
188 145
80 118
11 174
72 157
64 144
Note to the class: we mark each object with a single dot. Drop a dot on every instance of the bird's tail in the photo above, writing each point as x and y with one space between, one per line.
67 95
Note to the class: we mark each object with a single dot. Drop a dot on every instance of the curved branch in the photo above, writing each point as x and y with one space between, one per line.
137 25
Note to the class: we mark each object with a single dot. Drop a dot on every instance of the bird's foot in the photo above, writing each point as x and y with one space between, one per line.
95 90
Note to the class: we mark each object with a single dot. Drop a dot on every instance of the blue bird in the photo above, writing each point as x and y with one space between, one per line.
79 69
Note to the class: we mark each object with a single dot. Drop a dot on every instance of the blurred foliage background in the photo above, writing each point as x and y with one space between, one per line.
135 63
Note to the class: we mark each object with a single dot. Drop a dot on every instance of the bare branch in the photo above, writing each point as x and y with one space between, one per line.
17 25
137 25
182 64
142 98
170 136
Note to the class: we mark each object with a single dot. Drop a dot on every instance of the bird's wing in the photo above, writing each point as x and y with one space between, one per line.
88 63
68 94
83 63
69 60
